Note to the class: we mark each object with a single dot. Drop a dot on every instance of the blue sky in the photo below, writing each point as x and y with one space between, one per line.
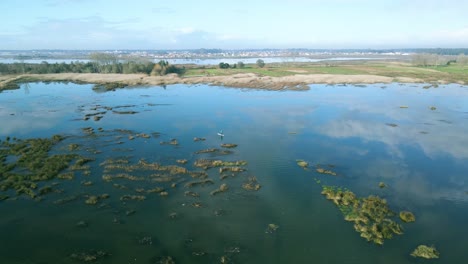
237 24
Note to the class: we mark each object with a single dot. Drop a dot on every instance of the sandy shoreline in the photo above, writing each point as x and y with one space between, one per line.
247 80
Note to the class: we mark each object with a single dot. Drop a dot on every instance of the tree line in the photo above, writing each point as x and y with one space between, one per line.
100 63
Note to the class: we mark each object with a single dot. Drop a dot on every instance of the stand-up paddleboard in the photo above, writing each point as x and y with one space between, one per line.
220 133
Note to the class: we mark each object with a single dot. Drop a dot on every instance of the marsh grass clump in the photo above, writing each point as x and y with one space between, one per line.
82 161
73 147
303 164
208 163
210 150
32 163
423 251
128 197
124 112
66 176
231 169
407 217
228 145
45 190
200 182
325 171
224 187
172 142
371 216
251 184
94 199
271 228
198 174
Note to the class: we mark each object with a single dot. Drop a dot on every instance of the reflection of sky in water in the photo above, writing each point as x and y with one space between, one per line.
343 126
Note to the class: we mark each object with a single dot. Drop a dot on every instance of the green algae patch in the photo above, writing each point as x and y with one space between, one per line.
371 216
407 217
32 163
423 251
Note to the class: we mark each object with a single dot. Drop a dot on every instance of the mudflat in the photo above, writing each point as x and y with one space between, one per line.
247 80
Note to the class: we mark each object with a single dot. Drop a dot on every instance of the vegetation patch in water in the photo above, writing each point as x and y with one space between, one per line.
325 171
231 169
224 187
371 216
251 184
128 197
200 182
271 228
302 163
32 164
208 163
407 217
423 251
173 142
210 150
228 145
124 112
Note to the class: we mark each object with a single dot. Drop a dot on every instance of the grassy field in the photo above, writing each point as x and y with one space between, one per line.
452 73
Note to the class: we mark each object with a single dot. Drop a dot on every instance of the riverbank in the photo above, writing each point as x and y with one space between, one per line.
273 77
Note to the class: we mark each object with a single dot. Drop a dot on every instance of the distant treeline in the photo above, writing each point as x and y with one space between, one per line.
150 68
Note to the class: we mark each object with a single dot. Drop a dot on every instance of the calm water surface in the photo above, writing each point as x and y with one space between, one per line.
423 160
214 61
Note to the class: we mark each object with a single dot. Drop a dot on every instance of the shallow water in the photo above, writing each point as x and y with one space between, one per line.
423 161
214 61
